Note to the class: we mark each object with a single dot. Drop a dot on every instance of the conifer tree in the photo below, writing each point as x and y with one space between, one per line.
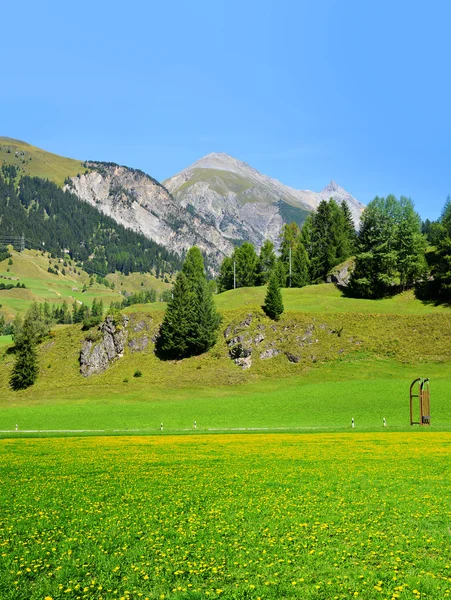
440 258
266 261
26 337
280 273
25 370
246 259
300 276
173 341
273 306
191 321
225 279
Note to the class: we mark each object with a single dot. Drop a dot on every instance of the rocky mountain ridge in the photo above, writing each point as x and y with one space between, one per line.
215 203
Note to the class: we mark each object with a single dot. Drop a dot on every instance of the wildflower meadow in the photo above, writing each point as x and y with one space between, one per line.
273 516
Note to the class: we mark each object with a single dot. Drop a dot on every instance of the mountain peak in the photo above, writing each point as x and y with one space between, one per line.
333 187
221 161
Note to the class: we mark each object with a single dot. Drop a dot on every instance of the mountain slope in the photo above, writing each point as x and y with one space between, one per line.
35 162
215 203
219 181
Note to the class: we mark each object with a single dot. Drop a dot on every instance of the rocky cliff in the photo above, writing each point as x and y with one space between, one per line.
216 203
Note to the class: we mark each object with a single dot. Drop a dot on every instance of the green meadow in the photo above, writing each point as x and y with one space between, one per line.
314 516
36 162
356 359
256 487
31 268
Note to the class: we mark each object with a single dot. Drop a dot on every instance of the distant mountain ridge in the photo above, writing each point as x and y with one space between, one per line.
216 203
222 172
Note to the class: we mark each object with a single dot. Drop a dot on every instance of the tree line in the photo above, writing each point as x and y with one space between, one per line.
392 251
305 256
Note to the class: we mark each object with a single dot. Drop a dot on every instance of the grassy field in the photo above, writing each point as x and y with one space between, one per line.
345 516
326 298
30 267
36 162
348 365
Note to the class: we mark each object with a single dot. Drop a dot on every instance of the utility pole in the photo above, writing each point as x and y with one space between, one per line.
22 243
234 274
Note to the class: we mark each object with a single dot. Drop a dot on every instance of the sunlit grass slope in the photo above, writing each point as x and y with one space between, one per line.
348 364
37 162
326 298
31 268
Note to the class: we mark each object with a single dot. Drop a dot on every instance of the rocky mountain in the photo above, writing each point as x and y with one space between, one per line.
215 203
219 180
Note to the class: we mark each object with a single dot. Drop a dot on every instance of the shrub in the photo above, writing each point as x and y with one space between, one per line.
137 373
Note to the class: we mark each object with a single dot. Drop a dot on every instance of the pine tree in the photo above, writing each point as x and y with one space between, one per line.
25 370
175 334
349 229
26 336
300 275
390 248
266 261
273 306
289 239
246 264
280 273
191 321
225 279
411 245
440 258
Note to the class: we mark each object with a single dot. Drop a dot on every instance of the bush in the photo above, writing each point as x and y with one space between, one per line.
137 373
91 322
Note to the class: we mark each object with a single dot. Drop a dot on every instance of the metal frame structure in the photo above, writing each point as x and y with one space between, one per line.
422 389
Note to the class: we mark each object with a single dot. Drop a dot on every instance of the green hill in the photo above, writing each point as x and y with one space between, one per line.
312 369
30 267
36 162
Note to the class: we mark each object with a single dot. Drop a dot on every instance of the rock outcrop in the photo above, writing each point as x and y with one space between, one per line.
97 356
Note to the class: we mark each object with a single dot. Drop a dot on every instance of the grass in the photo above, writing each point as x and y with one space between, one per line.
326 398
220 181
30 267
36 162
233 517
326 298
349 364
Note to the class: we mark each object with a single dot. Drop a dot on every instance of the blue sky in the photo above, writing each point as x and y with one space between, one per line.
304 91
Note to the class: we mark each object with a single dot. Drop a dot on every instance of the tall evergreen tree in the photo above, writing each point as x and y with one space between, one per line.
191 321
411 245
27 335
440 259
300 267
273 306
390 248
266 261
375 265
289 238
246 259
225 278
176 331
25 370
349 232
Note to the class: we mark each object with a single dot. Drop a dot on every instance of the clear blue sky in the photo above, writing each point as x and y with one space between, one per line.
304 91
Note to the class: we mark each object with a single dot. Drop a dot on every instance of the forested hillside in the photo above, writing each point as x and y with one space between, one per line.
57 221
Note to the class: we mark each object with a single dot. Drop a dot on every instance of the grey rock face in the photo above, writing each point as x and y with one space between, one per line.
269 353
340 275
138 344
96 357
211 204
292 357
